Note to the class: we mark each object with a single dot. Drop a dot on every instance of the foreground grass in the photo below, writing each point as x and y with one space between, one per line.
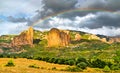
22 66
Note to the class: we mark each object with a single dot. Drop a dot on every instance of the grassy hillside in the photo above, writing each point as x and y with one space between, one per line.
6 38
23 66
85 53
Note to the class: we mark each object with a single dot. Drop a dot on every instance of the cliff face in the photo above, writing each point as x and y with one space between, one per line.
25 38
77 37
58 38
93 37
113 40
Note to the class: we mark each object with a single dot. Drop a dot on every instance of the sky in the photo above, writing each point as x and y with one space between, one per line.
92 16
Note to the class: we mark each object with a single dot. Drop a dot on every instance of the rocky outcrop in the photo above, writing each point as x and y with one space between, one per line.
104 40
96 37
5 45
93 37
77 37
25 38
58 38
1 51
113 40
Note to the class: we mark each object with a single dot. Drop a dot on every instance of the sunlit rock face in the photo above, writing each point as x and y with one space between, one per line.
57 37
77 37
25 38
93 37
113 40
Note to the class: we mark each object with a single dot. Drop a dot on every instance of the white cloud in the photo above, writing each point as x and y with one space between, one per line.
100 4
12 28
80 20
83 23
98 23
64 22
103 31
16 7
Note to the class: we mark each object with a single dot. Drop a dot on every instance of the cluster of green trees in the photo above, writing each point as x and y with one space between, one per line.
82 63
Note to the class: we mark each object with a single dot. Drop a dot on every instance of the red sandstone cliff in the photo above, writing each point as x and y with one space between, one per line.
58 38
25 38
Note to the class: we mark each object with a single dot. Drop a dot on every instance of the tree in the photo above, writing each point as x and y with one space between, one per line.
10 63
82 65
106 69
80 59
98 63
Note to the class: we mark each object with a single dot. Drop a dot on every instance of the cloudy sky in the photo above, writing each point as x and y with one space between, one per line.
92 16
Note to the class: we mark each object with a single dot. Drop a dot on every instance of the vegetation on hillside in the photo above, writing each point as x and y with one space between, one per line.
80 54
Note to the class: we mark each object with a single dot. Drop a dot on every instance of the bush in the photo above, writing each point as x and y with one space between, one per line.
55 60
10 63
106 69
1 56
82 65
70 62
115 67
54 68
98 63
46 59
38 58
34 66
61 61
52 60
109 64
80 59
73 69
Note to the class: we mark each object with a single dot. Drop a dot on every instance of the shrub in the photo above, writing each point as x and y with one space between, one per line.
46 59
38 58
109 64
1 56
98 63
54 68
51 60
55 60
80 59
115 67
70 62
73 69
106 69
82 65
10 63
34 66
61 61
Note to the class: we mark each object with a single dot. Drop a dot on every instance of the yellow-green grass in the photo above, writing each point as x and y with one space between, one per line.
22 66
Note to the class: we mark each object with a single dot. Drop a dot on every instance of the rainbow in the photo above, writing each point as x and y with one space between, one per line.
69 11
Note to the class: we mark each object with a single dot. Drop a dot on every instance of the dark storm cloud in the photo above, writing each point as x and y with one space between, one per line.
91 20
51 7
54 6
103 19
99 20
59 5
16 20
73 14
101 4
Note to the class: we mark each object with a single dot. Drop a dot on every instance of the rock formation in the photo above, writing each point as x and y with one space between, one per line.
25 38
103 40
77 37
58 38
93 37
100 38
114 39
